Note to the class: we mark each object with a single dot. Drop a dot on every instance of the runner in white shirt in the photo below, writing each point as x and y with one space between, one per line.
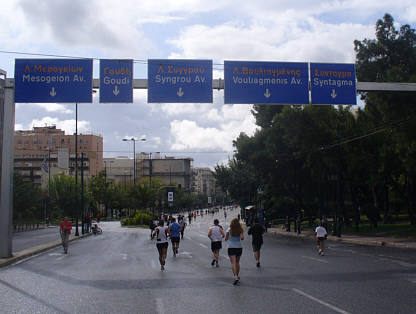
320 235
216 233
161 233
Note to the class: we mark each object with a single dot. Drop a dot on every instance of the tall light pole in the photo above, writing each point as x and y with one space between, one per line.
134 154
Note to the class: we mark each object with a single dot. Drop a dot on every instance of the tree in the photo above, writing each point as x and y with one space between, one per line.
62 194
27 200
391 57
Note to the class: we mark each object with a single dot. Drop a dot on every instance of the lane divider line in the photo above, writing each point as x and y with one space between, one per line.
316 259
332 307
159 306
203 245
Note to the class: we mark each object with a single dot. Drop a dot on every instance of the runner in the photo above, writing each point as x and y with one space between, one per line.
152 227
256 232
161 233
190 218
183 225
175 235
225 214
216 233
320 232
65 230
233 237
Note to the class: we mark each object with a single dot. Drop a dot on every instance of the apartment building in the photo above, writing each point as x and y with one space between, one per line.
49 147
203 181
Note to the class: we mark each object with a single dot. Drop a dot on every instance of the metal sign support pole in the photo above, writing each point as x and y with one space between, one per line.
6 165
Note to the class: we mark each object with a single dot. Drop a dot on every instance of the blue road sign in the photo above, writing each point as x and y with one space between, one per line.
116 81
249 82
333 84
53 80
179 81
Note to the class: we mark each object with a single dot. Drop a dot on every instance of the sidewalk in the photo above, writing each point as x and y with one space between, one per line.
29 243
354 239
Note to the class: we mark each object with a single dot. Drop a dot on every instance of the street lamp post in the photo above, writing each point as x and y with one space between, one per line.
134 155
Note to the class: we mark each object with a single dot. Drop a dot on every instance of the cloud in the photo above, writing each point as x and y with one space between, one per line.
188 135
50 107
67 125
284 39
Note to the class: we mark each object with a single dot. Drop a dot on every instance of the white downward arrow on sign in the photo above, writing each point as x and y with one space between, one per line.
180 92
52 92
116 91
333 94
267 94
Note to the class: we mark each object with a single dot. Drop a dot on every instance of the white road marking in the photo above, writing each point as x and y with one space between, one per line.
159 306
56 254
401 263
223 255
316 259
188 238
123 256
203 245
332 307
202 235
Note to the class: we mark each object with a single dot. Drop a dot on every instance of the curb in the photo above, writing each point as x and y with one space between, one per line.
349 240
35 250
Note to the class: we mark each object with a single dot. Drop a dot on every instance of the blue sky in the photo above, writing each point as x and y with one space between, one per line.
302 31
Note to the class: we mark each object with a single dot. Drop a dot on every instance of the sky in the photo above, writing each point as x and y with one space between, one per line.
261 30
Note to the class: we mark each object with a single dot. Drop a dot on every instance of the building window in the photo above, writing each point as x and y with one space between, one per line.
40 141
19 142
62 141
53 141
26 142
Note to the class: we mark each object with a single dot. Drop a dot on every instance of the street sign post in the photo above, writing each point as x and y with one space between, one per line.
53 80
116 81
333 84
179 81
266 82
170 199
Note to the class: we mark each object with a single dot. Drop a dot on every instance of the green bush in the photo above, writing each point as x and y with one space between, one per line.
141 218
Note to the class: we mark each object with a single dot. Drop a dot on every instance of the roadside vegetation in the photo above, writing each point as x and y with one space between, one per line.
356 165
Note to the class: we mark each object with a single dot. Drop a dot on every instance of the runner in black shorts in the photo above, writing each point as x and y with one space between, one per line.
175 235
234 236
256 232
161 233
216 234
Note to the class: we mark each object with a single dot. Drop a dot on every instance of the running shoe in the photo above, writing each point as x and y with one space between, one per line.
216 262
258 265
235 282
162 267
213 262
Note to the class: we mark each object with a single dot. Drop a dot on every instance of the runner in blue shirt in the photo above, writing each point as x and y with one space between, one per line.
175 235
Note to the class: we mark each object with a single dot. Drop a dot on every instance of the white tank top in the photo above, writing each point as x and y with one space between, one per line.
161 235
216 233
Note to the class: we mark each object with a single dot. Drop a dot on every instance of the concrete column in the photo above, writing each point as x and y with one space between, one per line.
7 107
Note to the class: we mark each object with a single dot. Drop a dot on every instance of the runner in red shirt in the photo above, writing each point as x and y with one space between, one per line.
65 230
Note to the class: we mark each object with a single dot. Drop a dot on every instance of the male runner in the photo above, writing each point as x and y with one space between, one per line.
161 233
256 232
175 235
216 233
65 229
182 223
